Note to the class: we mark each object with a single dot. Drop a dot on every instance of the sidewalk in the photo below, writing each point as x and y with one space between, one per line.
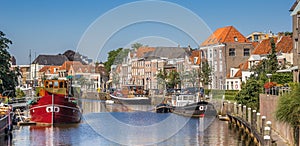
278 139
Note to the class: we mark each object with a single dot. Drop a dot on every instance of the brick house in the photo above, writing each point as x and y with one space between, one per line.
295 9
224 49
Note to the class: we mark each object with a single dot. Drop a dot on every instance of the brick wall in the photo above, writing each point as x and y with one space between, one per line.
268 105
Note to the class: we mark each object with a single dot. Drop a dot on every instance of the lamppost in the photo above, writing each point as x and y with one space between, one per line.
269 76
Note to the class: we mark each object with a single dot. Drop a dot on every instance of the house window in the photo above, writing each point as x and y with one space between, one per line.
231 52
231 85
221 66
255 38
246 52
220 54
235 39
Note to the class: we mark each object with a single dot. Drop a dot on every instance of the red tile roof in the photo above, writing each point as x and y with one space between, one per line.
195 53
68 64
142 50
225 35
45 69
284 44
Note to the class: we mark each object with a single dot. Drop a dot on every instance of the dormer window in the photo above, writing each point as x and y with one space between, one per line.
235 39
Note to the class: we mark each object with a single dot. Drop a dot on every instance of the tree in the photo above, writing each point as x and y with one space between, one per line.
192 77
111 58
8 77
205 73
135 46
173 79
272 63
288 110
249 95
115 57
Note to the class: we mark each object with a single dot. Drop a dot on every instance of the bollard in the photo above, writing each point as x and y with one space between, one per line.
229 107
224 111
267 140
234 108
244 112
269 124
240 110
263 121
253 120
258 122
249 115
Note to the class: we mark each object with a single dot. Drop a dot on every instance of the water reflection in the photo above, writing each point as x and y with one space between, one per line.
97 127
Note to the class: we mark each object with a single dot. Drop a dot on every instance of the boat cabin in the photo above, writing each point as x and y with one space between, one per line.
184 99
55 86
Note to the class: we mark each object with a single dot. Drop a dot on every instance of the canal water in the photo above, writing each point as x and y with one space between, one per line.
115 124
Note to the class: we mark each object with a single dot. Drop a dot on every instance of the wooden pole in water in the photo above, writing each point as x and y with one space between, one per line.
249 115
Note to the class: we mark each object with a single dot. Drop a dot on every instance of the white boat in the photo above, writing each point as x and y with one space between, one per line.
131 94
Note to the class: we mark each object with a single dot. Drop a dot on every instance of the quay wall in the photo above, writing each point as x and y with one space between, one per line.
268 104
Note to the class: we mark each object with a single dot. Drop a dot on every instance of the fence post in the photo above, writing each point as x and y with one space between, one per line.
258 122
240 110
249 115
263 121
234 108
224 112
229 107
269 124
253 121
244 112
267 137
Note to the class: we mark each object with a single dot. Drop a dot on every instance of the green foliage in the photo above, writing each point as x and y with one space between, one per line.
282 78
136 45
205 73
288 109
192 77
249 95
115 57
111 58
173 79
19 93
272 64
9 78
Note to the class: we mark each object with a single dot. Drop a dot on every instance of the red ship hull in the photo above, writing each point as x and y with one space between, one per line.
55 109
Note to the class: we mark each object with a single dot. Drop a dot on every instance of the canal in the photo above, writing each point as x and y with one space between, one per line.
114 124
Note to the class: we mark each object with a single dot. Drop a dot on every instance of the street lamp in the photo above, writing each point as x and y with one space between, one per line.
269 76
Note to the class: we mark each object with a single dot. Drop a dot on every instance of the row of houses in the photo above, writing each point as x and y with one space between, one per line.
60 67
229 53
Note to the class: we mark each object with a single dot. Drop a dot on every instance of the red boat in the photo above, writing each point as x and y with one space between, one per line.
6 116
55 105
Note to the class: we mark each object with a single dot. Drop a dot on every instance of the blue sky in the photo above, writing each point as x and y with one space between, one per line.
52 27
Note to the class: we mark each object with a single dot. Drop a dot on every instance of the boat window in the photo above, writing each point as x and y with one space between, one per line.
191 98
55 84
185 97
61 84
179 97
50 85
46 84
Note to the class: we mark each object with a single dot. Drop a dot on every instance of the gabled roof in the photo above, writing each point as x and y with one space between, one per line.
142 50
225 35
50 60
195 53
68 64
49 69
284 45
168 52
294 6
